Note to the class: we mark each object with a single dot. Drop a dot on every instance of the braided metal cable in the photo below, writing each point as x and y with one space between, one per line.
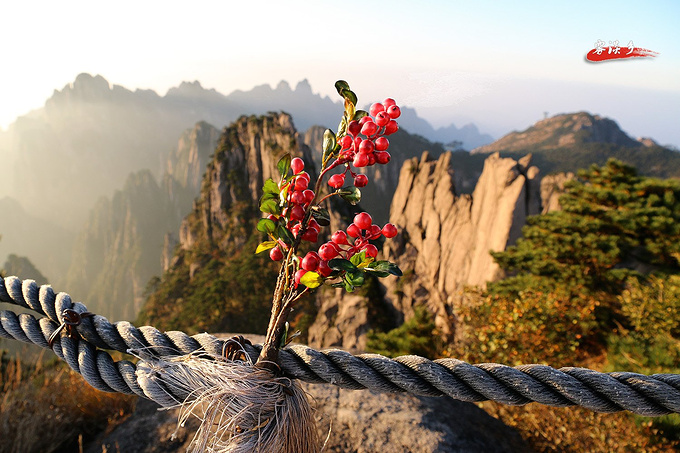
654 395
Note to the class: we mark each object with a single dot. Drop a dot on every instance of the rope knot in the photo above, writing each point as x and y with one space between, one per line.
70 320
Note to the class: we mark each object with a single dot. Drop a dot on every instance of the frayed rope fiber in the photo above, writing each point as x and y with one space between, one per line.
654 395
242 408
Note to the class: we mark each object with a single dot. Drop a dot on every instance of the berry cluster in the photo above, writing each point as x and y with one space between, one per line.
361 231
298 198
365 143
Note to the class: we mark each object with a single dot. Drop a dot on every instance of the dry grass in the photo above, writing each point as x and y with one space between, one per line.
49 408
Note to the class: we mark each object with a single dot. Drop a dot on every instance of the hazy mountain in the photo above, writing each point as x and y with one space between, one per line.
22 233
120 247
90 135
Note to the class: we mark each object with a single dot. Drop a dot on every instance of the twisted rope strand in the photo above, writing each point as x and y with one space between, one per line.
654 395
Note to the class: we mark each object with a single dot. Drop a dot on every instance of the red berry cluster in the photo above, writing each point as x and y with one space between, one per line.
365 143
298 197
362 230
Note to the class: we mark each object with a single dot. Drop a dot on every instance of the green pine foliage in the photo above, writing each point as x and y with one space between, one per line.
416 336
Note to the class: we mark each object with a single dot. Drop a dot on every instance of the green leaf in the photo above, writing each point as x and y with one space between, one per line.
384 267
341 85
358 258
342 127
266 245
341 264
355 278
359 114
284 165
270 187
349 96
350 194
270 207
321 216
311 280
329 141
283 234
266 226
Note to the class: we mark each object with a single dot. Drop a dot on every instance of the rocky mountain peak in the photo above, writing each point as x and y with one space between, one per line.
561 131
445 238
246 156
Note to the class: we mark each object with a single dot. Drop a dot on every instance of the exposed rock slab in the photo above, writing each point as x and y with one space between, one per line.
446 239
358 421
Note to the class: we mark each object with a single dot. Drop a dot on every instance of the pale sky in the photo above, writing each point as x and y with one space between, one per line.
453 61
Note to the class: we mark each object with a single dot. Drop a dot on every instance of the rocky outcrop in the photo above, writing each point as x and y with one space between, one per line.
353 421
246 157
562 131
552 187
444 244
446 239
194 148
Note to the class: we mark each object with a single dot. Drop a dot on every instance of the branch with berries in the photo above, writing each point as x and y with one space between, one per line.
295 215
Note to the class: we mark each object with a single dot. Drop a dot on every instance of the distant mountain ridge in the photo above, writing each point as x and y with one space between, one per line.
564 130
91 134
570 141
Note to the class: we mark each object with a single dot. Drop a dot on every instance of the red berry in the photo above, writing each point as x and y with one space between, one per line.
297 198
337 181
297 212
308 195
391 127
376 108
394 111
327 251
310 262
301 184
298 276
382 157
389 231
304 175
365 119
339 237
353 231
345 142
310 235
273 217
371 250
371 159
360 160
360 180
366 146
363 220
353 128
374 232
324 269
382 118
389 102
276 254
295 229
369 128
314 225
297 165
381 144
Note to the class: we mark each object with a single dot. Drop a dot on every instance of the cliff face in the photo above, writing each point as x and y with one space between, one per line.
445 240
246 156
121 246
214 281
443 245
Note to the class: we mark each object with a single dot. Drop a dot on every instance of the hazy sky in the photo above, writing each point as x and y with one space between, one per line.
500 65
